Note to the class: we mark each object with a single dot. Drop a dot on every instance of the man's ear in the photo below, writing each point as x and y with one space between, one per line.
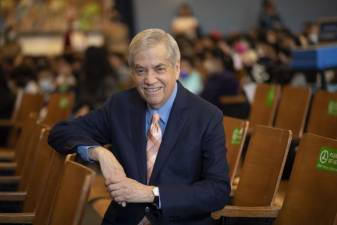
177 70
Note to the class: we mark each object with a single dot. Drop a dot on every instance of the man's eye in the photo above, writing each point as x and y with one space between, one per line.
161 69
140 71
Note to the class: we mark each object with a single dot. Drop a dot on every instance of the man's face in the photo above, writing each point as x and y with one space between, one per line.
154 75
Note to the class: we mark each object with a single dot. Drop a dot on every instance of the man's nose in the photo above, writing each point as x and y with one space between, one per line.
150 77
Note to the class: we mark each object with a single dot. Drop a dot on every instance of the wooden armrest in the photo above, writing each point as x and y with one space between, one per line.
21 218
246 211
7 155
9 179
6 149
8 165
11 123
18 124
235 99
7 123
13 196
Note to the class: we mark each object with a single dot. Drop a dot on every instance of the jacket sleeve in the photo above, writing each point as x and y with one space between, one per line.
212 191
90 130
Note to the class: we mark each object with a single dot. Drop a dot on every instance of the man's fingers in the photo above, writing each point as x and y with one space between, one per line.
120 199
117 193
119 196
114 187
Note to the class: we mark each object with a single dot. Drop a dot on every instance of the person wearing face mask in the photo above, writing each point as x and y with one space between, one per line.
168 159
46 81
311 33
189 77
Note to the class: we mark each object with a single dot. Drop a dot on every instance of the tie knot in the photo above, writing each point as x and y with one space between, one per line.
155 118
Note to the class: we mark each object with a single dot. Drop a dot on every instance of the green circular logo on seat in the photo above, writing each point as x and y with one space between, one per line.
63 103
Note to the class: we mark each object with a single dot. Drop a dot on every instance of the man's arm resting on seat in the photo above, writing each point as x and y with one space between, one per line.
120 187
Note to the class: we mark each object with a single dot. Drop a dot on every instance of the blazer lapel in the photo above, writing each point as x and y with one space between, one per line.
172 131
138 135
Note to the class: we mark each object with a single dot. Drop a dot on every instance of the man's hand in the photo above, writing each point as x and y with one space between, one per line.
121 188
129 190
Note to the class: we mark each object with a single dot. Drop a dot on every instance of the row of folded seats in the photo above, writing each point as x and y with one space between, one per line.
296 109
37 184
55 108
258 191
45 187
52 189
282 121
279 120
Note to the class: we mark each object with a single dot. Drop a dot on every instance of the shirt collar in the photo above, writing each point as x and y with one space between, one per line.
164 110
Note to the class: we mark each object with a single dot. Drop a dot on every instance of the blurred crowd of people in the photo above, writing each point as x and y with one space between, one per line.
212 65
93 76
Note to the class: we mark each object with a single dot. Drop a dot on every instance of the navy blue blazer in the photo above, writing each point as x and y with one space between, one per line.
190 169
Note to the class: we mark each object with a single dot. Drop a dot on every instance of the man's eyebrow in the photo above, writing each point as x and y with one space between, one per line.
138 66
160 65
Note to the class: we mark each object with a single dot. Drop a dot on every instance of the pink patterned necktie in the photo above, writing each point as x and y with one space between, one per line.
154 136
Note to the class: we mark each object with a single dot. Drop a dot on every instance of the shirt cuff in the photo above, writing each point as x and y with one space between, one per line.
84 151
159 205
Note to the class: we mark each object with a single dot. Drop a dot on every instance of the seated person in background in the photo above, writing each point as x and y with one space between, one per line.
23 78
185 23
310 34
97 79
221 79
189 76
168 159
65 80
269 17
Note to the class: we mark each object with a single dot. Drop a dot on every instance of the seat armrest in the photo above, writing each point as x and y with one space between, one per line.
17 218
7 155
9 179
246 211
13 196
235 99
8 165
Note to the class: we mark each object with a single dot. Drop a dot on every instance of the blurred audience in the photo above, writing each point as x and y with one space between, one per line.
213 65
97 80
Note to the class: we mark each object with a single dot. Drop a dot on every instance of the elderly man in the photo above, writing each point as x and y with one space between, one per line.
167 164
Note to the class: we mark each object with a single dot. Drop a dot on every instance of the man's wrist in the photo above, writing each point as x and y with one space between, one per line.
151 195
156 199
95 152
